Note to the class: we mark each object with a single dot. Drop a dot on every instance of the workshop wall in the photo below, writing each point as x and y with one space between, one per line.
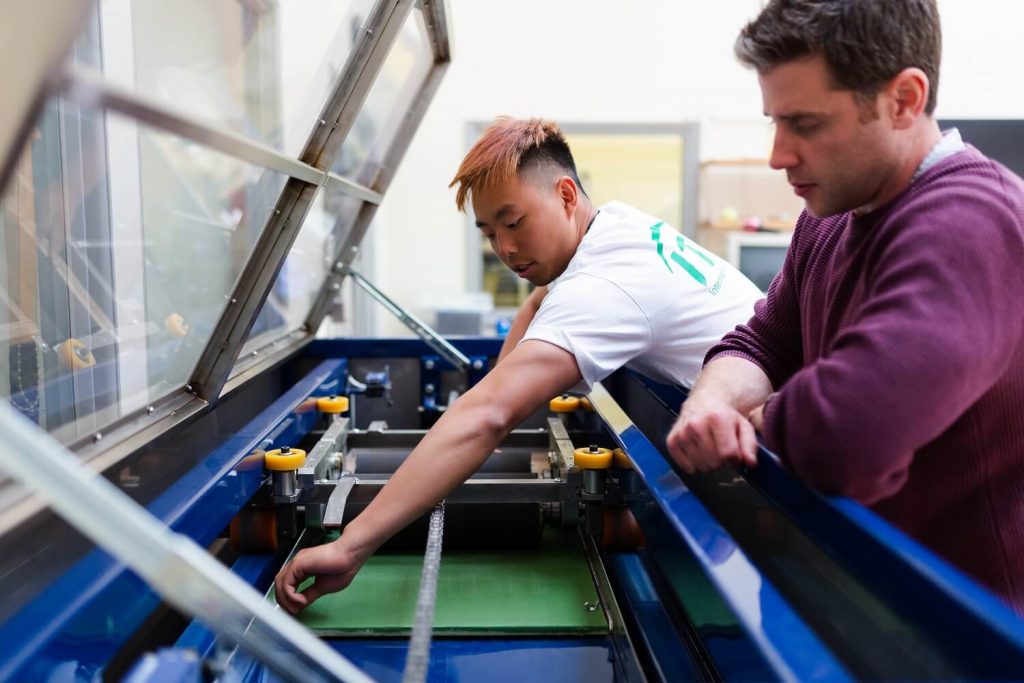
653 61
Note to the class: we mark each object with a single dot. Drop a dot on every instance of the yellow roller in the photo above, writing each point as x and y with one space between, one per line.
176 325
284 459
564 404
620 459
75 355
586 404
333 405
593 458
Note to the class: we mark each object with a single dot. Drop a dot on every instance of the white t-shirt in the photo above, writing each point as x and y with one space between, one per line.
638 293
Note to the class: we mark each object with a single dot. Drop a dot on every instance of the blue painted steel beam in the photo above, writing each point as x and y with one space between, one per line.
968 622
965 619
457 660
654 628
789 646
87 614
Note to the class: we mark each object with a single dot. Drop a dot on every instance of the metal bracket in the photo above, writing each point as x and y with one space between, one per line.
320 460
429 336
335 511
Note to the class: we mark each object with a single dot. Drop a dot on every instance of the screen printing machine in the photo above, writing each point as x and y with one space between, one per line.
165 274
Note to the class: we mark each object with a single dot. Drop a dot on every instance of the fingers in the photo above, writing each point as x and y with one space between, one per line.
703 441
286 585
748 443
332 566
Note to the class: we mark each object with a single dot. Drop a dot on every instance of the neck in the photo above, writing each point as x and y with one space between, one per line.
585 212
912 152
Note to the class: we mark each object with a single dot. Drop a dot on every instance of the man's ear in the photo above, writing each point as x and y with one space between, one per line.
908 96
568 193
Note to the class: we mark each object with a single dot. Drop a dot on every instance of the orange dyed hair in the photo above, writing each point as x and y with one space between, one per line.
504 149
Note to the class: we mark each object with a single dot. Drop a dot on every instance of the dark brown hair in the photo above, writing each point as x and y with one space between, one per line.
864 42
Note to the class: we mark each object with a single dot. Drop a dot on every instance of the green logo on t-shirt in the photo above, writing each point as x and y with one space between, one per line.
693 259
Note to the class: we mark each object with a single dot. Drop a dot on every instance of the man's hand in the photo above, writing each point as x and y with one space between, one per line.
756 417
706 437
333 565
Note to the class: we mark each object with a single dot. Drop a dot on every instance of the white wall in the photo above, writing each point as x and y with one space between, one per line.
602 61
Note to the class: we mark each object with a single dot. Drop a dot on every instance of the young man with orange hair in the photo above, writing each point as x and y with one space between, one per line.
615 287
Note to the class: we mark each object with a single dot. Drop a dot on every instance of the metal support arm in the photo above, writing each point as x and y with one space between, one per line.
420 328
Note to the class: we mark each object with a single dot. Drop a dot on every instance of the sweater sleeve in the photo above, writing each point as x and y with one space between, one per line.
771 338
941 314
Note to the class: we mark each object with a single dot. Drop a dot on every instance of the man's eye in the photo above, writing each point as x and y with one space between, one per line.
805 126
515 224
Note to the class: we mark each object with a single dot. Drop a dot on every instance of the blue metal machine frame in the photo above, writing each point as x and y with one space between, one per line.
83 618
91 611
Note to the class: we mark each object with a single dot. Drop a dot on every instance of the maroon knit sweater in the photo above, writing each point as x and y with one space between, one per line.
896 341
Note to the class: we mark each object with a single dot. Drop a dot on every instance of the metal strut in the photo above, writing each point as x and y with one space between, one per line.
417 661
424 331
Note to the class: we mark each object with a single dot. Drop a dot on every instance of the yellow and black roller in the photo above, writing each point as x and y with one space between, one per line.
75 355
333 405
176 325
586 404
593 458
284 459
564 404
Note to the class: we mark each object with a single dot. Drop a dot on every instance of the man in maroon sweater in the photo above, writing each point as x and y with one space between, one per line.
887 361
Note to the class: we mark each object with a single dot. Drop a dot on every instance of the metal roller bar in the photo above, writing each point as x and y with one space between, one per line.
184 574
477 491
409 438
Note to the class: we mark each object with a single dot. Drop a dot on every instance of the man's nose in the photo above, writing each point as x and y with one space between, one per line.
783 153
505 246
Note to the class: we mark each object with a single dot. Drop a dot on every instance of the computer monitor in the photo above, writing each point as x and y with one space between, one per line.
758 255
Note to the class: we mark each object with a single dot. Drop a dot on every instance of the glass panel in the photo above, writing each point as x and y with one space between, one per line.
387 103
258 67
332 214
327 225
120 246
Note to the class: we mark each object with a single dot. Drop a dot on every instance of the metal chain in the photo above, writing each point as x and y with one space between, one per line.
417 661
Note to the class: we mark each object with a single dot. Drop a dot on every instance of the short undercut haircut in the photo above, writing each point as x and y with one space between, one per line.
510 148
864 42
